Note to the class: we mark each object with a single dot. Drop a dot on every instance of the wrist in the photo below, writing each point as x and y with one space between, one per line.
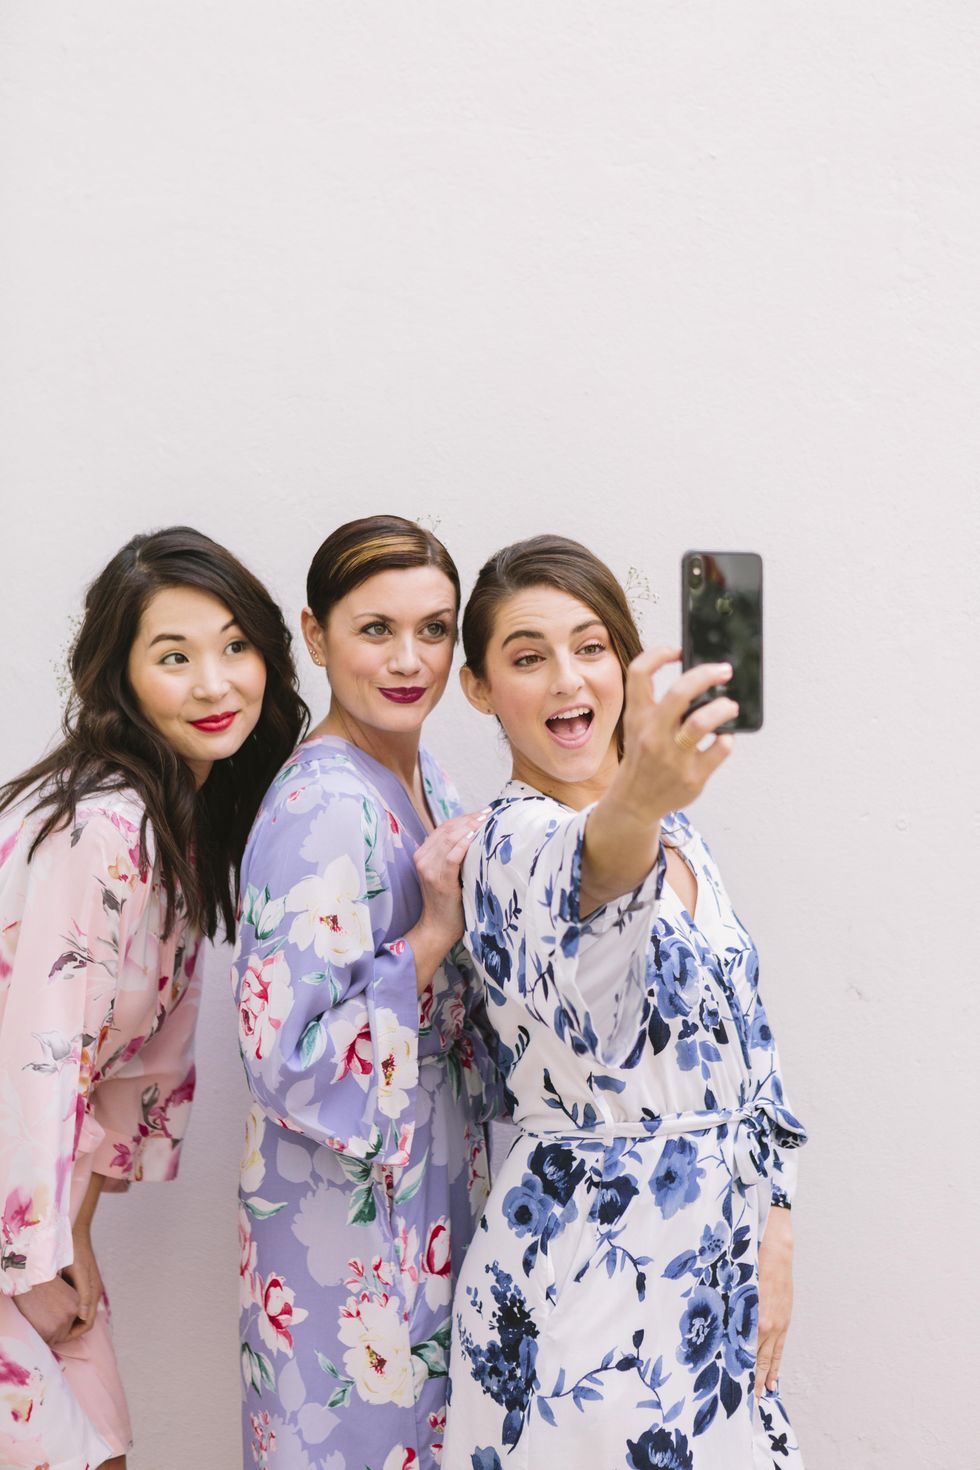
636 813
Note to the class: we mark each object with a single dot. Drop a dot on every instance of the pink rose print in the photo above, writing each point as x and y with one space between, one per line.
437 1260
278 1315
266 998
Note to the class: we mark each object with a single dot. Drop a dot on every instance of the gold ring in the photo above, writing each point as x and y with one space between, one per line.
686 739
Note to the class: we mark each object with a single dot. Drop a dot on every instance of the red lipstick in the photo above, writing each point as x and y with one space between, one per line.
402 696
214 724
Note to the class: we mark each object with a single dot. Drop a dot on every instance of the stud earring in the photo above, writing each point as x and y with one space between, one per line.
316 658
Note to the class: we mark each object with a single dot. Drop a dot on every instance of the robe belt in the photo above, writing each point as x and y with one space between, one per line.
750 1132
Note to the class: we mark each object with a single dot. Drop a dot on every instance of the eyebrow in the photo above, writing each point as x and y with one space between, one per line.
442 612
530 633
181 637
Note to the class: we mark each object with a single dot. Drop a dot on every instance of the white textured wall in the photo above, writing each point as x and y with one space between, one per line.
653 274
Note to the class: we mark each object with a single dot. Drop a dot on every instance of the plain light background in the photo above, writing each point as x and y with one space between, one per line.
654 275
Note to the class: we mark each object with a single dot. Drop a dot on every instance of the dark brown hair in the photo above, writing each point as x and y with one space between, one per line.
360 549
108 743
549 561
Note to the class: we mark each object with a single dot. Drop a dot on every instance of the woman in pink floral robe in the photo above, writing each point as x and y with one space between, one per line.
115 858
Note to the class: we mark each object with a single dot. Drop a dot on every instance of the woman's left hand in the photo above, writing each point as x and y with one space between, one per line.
775 1296
85 1277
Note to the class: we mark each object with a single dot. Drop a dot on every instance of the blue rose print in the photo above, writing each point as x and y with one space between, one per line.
606 1314
527 1207
675 1181
701 1327
613 1197
558 1169
658 1449
677 981
742 1330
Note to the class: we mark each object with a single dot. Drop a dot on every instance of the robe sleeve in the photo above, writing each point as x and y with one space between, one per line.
66 910
788 1133
585 977
327 999
143 1107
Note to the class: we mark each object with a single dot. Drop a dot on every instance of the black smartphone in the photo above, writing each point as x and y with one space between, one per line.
721 597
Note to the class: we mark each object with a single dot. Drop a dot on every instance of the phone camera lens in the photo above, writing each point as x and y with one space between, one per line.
696 574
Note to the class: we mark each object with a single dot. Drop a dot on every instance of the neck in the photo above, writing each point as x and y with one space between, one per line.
398 751
575 794
200 770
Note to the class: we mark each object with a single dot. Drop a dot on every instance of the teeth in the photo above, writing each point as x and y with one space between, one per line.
572 714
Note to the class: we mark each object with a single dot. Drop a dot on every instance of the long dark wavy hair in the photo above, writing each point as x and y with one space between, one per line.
107 743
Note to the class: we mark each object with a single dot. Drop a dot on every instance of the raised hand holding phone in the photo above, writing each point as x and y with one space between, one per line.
662 769
721 601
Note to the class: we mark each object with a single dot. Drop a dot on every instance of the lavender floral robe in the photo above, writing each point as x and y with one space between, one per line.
365 1163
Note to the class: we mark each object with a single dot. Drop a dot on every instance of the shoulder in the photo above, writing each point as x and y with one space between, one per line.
102 821
314 776
520 823
319 806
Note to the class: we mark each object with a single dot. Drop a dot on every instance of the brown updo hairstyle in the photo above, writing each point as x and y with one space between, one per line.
363 548
549 561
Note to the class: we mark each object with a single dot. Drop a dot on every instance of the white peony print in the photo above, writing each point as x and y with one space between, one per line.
330 917
396 1056
378 1358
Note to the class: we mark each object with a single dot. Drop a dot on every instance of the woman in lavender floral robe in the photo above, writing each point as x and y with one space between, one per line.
365 1162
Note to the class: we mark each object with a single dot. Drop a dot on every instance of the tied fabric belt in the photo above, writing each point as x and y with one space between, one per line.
749 1132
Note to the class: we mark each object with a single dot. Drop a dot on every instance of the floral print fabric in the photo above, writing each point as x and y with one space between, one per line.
607 1310
365 1161
97 1018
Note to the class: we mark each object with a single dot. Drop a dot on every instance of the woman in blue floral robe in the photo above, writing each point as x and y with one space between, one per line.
365 1164
607 1312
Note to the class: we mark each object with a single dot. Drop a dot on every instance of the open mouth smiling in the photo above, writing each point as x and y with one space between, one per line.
571 726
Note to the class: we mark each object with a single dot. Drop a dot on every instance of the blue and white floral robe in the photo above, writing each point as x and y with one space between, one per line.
606 1314
365 1163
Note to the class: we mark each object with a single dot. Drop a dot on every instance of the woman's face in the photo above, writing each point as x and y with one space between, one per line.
196 678
556 686
388 647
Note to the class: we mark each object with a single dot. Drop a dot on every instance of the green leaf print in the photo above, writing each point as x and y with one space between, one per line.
369 826
319 977
362 1209
264 913
412 1181
256 1369
287 773
341 1394
313 1042
434 1356
261 1209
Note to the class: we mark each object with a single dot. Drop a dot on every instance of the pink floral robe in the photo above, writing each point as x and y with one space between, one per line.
97 1015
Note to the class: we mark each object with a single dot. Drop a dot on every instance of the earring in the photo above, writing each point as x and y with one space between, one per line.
316 658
